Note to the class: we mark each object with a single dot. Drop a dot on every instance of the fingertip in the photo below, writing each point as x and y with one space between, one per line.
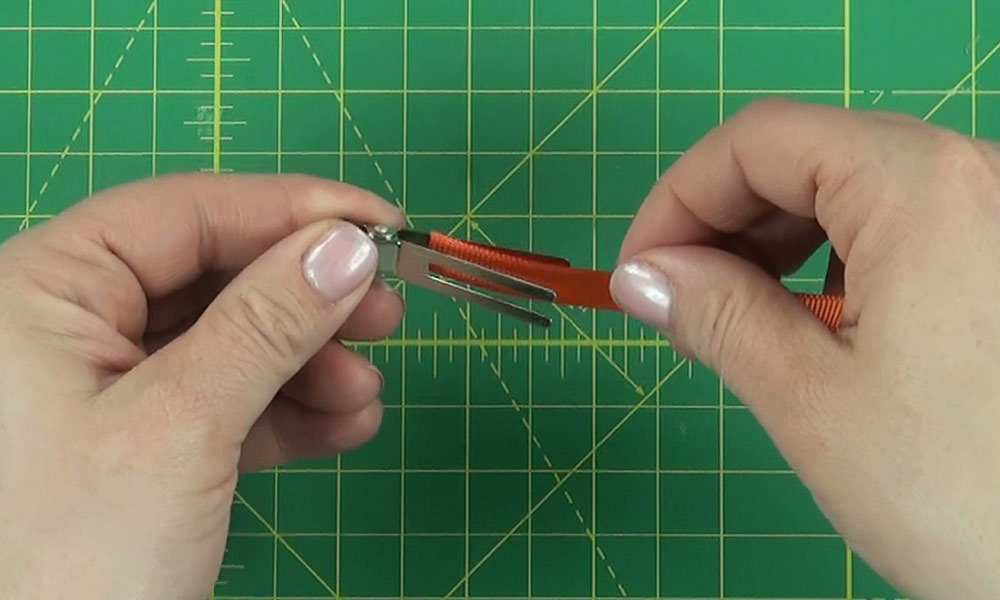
387 211
358 429
336 380
390 295
289 431
397 218
393 291
321 198
377 316
371 417
371 388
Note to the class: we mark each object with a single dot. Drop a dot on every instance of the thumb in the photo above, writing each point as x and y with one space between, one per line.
269 321
737 320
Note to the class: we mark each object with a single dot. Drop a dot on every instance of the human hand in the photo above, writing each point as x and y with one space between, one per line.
159 339
892 422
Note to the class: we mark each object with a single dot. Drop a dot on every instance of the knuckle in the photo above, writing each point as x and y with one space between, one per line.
181 420
274 323
960 158
765 108
848 190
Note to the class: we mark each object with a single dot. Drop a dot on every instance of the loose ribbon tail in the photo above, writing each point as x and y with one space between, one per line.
572 286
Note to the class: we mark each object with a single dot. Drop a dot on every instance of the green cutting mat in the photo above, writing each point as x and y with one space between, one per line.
586 461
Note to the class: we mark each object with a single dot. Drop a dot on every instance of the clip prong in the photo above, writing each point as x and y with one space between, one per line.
407 256
414 264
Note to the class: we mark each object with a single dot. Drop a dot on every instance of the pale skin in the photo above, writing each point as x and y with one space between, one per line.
163 337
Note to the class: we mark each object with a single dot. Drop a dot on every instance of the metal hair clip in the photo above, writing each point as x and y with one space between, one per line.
407 255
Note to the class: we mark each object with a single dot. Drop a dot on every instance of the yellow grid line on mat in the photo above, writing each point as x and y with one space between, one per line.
562 480
848 554
592 93
340 99
954 91
327 78
848 92
284 542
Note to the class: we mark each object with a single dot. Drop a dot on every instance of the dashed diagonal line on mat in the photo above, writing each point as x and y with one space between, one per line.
340 99
286 7
96 99
368 150
562 123
562 480
495 367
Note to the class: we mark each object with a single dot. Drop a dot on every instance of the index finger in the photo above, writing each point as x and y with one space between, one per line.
151 238
775 155
173 229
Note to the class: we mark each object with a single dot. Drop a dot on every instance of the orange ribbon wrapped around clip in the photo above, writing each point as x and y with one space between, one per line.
572 285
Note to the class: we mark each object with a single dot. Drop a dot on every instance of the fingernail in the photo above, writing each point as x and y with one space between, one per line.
380 376
340 262
643 292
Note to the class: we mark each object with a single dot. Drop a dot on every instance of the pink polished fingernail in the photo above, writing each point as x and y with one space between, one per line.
340 262
644 292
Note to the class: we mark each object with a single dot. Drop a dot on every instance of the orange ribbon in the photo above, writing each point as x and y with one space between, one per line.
572 285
